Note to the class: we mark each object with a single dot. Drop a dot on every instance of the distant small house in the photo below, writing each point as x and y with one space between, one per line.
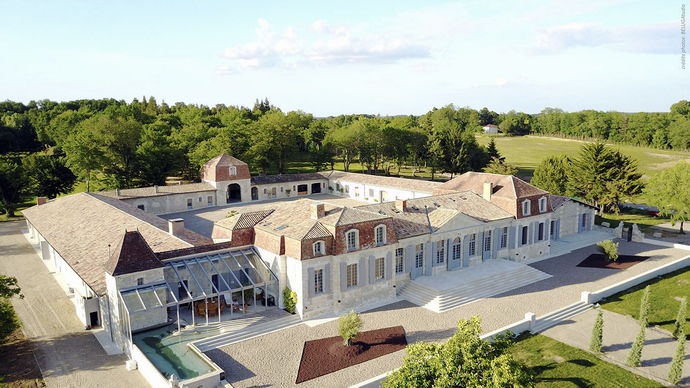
490 128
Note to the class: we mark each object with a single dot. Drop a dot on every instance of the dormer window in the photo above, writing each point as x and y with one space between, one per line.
380 233
526 207
352 240
233 170
542 204
319 248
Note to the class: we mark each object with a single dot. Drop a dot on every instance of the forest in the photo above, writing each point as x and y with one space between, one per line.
110 143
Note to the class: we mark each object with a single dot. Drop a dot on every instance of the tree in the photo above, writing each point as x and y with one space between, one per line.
552 174
609 249
604 177
464 361
349 326
665 190
8 318
13 186
675 373
487 116
679 325
289 300
48 175
497 166
492 151
516 124
597 333
635 355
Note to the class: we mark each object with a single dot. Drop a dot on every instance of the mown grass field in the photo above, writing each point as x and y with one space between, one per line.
526 152
665 294
556 364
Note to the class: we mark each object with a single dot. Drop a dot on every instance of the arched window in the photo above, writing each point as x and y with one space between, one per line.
352 239
319 248
457 249
380 233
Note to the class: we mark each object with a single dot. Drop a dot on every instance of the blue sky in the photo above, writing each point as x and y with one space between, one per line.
331 58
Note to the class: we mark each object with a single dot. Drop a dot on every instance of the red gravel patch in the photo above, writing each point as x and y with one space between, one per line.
327 355
597 261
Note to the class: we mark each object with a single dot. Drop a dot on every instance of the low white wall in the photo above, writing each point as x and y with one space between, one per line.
211 379
150 373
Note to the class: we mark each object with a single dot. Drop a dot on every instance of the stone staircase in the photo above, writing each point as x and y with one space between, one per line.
577 241
555 317
241 329
456 288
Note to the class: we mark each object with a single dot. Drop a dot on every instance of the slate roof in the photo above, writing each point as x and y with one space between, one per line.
80 228
244 220
157 191
284 178
558 201
441 209
351 216
383 181
132 254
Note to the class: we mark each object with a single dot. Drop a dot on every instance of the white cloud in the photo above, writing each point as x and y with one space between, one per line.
326 45
501 82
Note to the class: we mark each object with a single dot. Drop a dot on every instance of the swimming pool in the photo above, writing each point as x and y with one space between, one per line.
170 354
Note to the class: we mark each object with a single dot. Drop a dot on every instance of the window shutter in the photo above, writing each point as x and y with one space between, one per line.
388 266
362 269
372 269
310 274
343 276
496 240
531 232
327 279
409 258
511 237
429 251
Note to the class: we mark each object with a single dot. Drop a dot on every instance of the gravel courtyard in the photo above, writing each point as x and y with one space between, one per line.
273 359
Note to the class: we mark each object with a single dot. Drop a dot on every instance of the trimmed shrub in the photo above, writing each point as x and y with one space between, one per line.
676 371
289 300
349 326
635 356
597 333
609 249
679 326
9 322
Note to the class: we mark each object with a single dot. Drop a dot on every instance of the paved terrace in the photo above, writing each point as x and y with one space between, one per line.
273 359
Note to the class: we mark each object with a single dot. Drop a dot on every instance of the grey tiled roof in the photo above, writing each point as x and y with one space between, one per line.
384 181
244 220
505 186
157 191
83 227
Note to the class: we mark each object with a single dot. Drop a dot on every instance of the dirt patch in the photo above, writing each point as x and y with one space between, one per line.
624 261
327 355
18 366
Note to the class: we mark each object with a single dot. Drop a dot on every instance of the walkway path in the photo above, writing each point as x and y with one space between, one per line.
619 334
67 355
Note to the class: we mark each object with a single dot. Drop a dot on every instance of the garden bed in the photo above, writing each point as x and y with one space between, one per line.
597 260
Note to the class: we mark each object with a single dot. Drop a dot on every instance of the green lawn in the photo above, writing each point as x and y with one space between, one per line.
650 160
633 216
664 299
556 364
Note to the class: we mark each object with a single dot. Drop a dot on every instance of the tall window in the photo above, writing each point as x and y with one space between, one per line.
473 244
209 200
380 233
525 207
318 281
542 205
540 234
190 204
233 170
399 260
318 248
379 268
456 249
352 275
419 256
504 237
584 220
440 251
525 232
371 193
352 240
552 228
487 241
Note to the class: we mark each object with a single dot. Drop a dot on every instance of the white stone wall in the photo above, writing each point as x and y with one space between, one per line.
570 214
222 189
152 316
173 203
363 192
288 189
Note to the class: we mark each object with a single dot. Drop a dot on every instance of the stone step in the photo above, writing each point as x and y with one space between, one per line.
233 334
555 317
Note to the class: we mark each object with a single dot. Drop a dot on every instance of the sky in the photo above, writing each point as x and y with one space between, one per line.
346 57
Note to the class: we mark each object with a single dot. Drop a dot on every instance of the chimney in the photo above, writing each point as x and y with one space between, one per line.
117 192
488 190
41 200
155 188
318 210
401 204
175 226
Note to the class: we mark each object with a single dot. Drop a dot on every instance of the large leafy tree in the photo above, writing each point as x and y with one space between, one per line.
48 175
667 191
464 361
13 185
603 177
552 174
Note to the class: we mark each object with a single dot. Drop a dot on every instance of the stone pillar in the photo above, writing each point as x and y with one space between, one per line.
586 297
532 318
637 235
